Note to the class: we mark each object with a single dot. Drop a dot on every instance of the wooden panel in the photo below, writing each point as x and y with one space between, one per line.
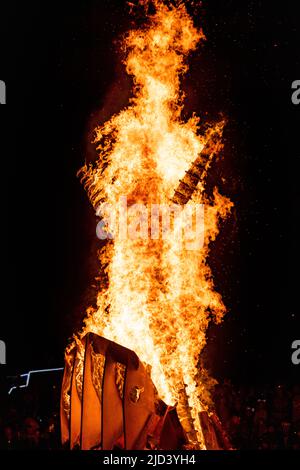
112 423
66 390
75 415
138 402
91 404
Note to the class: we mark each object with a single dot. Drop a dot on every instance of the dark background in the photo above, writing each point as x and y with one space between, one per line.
63 75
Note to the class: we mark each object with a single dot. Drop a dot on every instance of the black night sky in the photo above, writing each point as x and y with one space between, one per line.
63 76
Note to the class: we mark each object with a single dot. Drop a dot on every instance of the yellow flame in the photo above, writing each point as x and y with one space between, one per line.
159 295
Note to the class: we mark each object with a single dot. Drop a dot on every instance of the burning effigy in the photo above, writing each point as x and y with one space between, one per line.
133 378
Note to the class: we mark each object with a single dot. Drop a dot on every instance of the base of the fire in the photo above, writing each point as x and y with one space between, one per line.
109 402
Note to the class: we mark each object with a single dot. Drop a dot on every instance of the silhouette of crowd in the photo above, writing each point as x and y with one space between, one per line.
29 418
254 417
260 417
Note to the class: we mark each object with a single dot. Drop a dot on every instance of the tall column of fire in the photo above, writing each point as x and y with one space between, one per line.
157 295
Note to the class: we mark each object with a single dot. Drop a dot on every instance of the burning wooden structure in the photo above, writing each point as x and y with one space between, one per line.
197 172
109 401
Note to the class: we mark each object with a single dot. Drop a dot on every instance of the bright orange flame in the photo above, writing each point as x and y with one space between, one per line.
159 295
